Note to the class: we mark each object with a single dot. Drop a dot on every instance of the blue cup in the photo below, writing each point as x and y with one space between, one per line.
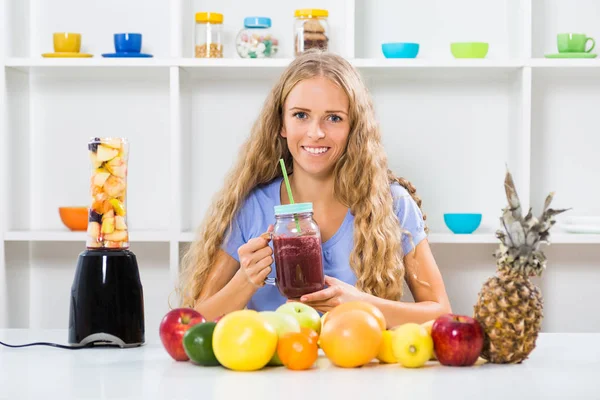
128 42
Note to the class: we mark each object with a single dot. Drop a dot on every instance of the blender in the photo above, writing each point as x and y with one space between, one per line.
107 302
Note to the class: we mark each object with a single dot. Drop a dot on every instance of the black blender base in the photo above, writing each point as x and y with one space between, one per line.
107 301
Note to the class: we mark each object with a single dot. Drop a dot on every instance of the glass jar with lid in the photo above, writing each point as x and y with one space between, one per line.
208 35
297 251
256 40
311 30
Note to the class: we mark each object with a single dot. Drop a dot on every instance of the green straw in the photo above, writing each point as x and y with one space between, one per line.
289 190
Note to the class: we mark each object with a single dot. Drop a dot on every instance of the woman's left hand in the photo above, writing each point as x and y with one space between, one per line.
336 293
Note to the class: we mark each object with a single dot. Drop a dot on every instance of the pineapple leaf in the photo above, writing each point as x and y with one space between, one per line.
521 236
512 196
548 201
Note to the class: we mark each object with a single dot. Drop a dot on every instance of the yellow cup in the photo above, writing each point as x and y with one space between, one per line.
66 42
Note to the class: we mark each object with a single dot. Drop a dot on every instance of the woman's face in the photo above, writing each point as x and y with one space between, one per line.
316 125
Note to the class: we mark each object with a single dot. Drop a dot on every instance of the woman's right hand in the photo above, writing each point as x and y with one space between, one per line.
256 258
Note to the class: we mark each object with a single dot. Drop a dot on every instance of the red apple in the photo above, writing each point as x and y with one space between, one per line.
457 339
172 328
218 318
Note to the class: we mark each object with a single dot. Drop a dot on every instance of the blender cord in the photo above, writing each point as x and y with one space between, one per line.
60 346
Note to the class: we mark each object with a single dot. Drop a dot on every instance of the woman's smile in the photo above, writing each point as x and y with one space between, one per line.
316 150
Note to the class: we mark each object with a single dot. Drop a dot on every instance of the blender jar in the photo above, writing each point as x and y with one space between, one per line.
107 215
297 251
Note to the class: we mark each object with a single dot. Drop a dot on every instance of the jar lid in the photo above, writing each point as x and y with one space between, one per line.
211 17
311 12
297 208
257 22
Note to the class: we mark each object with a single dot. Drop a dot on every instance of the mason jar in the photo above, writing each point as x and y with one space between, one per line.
297 251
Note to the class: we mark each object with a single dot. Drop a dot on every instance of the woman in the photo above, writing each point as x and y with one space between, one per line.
319 118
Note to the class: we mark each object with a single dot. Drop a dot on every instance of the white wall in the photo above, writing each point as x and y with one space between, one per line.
448 130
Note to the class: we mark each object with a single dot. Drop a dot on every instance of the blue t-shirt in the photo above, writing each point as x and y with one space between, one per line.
257 213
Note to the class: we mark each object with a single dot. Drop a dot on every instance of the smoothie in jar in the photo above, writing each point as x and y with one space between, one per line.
297 251
299 265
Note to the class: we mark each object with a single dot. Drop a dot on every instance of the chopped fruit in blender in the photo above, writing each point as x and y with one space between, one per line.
106 207
98 203
96 190
116 236
93 243
97 206
93 146
106 153
100 177
108 225
120 223
94 216
115 143
95 162
117 166
93 229
124 152
118 207
109 214
114 245
114 186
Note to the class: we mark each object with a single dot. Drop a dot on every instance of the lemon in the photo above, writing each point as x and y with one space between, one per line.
386 355
244 341
412 345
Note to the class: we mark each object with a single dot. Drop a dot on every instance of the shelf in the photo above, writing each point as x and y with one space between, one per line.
564 63
27 63
69 236
475 238
243 67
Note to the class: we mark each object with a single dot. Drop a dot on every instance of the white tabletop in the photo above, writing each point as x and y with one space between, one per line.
563 366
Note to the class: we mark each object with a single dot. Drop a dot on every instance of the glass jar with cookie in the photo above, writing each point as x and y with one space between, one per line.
311 30
209 27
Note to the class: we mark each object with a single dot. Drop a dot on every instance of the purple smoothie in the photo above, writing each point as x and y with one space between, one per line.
298 265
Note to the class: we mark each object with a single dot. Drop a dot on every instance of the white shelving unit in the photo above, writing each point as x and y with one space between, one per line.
450 126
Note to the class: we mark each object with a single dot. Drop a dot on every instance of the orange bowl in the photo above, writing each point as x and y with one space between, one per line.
74 218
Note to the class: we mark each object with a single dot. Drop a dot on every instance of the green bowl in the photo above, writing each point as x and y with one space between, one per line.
469 49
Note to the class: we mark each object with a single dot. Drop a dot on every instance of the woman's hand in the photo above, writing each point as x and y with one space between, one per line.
336 293
256 258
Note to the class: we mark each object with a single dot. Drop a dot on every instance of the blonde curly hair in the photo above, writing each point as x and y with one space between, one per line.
362 183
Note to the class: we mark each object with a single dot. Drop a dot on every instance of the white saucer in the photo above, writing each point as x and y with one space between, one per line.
582 228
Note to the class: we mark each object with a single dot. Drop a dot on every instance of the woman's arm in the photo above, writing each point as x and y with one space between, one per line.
225 290
426 285
230 284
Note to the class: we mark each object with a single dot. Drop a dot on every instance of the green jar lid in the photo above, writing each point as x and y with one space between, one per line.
297 208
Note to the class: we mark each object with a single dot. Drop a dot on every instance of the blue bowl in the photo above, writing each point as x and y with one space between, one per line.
400 50
462 223
128 42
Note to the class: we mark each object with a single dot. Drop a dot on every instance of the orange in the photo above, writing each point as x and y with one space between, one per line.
351 339
297 350
311 333
359 305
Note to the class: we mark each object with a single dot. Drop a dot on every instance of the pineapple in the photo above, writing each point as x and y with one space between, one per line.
510 306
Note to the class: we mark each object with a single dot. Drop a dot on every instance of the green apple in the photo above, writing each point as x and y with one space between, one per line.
283 323
306 315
